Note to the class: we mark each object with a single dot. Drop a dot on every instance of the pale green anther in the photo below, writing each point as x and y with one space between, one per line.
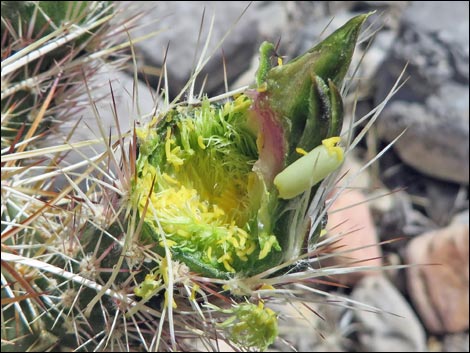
309 169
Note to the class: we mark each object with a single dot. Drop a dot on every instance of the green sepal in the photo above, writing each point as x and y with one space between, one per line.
337 112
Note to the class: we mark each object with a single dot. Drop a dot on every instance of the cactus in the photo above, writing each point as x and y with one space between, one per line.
213 209
44 46
48 50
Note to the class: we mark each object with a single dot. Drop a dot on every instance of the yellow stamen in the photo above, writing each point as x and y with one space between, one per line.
250 250
170 179
241 255
263 87
301 151
234 242
200 142
171 154
228 267
225 258
331 145
267 247
193 292
169 242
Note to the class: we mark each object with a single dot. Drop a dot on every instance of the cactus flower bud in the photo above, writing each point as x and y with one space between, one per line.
213 178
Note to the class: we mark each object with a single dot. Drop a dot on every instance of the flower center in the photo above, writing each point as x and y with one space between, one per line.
203 186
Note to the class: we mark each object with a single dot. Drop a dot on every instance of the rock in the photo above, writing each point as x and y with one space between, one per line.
350 215
462 217
434 144
451 27
394 214
364 6
182 20
442 201
433 105
395 328
439 283
456 343
306 326
435 201
351 167
86 123
397 218
128 108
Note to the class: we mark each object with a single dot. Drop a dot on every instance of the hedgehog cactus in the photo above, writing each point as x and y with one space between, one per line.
207 210
43 43
48 49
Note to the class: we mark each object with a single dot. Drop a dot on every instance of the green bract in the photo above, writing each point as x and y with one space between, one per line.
211 178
